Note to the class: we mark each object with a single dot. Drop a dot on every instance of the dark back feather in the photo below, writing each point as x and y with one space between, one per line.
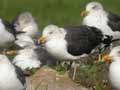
82 39
114 21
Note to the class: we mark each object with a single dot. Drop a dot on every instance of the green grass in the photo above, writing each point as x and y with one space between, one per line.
94 76
59 12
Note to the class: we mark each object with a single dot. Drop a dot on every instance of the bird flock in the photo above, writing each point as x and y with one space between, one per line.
22 39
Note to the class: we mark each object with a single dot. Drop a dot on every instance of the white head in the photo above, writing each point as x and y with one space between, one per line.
25 41
4 59
92 7
23 19
52 32
26 44
26 23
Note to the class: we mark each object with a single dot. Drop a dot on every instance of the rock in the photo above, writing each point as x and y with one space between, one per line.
49 79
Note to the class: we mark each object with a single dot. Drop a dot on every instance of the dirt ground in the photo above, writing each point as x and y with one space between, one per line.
49 79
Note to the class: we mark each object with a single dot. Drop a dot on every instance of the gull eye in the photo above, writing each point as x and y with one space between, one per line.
50 32
119 51
94 7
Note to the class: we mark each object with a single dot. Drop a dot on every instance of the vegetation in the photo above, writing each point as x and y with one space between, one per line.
60 12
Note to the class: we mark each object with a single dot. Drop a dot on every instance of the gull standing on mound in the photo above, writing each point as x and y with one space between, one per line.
70 43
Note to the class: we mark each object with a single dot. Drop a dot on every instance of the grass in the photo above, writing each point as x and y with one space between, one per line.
94 76
59 12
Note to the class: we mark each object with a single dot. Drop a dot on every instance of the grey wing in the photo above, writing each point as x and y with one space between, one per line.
44 57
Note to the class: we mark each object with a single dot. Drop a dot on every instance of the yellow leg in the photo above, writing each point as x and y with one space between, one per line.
99 57
66 74
74 71
11 52
4 51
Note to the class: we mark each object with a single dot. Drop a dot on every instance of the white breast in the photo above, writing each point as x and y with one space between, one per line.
27 58
99 19
6 37
31 30
58 48
8 78
114 74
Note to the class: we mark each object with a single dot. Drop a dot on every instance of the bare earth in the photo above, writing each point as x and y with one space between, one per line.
49 79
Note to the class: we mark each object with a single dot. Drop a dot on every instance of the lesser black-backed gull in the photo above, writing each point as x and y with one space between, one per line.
107 22
70 43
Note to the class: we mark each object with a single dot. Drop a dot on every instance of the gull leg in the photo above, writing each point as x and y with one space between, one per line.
111 46
99 57
4 51
69 65
74 71
11 52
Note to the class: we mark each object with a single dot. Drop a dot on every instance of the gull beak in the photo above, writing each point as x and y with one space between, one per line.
84 13
41 40
106 58
11 52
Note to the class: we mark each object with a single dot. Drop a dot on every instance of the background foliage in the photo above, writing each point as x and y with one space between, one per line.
60 12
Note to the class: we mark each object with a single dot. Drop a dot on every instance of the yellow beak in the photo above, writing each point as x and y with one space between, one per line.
11 52
106 58
84 13
41 40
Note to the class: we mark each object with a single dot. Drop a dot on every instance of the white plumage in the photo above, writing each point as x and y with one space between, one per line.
6 38
9 78
25 41
114 69
70 43
26 23
56 43
99 18
26 57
